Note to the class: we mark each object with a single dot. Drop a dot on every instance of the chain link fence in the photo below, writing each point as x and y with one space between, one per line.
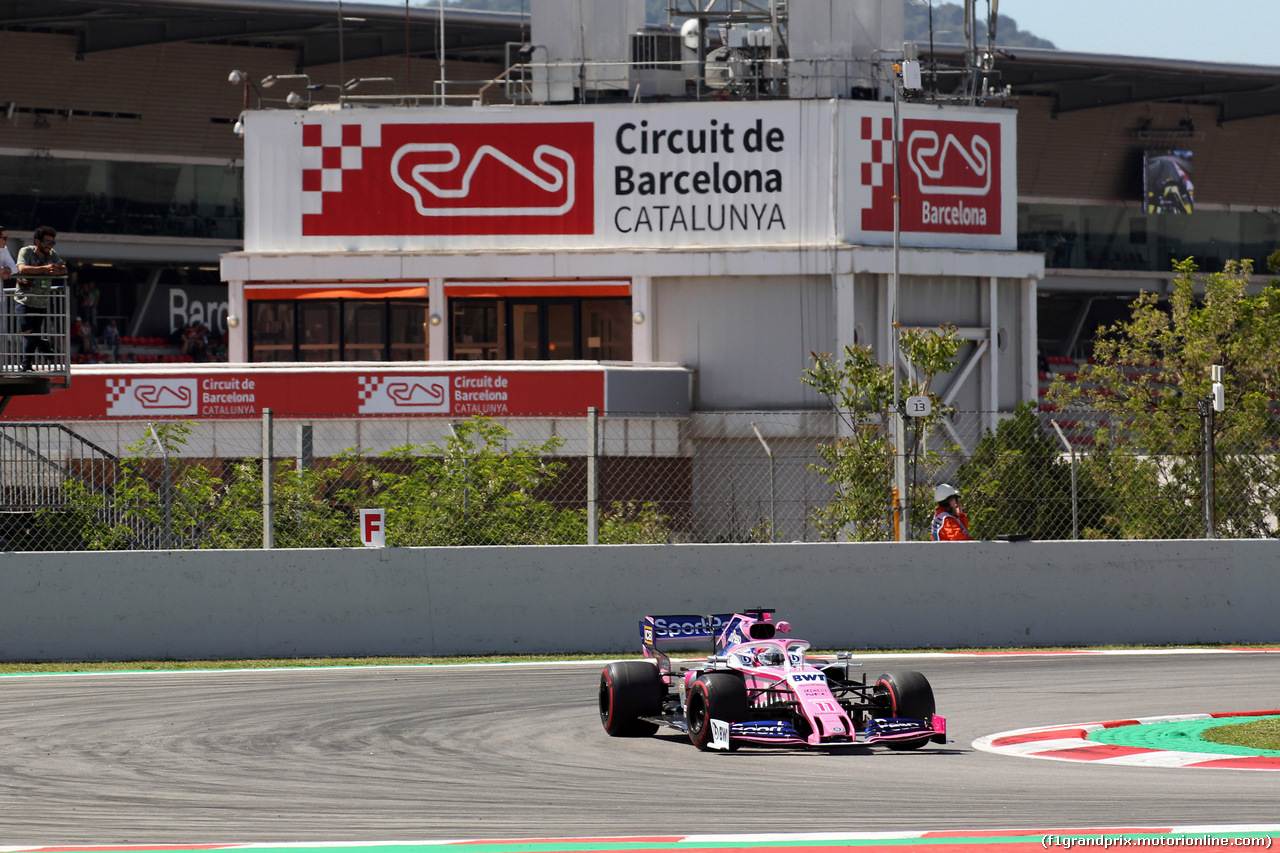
570 479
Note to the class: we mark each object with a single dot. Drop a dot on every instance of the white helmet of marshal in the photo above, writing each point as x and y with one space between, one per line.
943 492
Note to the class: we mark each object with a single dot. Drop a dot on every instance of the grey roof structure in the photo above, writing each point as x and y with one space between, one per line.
319 31
323 31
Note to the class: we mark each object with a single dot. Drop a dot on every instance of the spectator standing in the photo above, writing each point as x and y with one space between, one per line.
189 337
8 266
38 264
111 340
950 522
89 297
84 333
200 352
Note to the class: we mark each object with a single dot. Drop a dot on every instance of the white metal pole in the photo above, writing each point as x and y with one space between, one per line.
593 476
442 78
268 481
900 503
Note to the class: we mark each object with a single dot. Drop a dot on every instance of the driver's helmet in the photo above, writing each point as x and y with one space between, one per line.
770 656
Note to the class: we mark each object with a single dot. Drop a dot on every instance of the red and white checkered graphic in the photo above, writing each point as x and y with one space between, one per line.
877 171
116 388
369 385
328 151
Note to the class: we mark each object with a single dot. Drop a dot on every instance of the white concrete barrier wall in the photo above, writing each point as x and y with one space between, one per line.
432 601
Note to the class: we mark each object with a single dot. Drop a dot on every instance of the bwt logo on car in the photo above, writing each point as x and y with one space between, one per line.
802 677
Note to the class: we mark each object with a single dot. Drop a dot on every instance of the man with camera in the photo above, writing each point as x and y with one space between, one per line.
38 265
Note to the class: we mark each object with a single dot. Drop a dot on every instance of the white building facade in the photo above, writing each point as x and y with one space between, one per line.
733 238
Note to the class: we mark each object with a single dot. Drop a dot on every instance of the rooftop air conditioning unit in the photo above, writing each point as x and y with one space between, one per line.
657 66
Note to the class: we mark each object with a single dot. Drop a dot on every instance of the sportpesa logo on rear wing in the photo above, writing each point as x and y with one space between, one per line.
671 630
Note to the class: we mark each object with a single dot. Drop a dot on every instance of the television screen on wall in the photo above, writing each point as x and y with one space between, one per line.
1166 181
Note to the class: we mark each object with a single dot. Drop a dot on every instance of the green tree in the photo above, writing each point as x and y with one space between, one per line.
303 511
859 463
474 490
150 504
1150 376
479 489
1017 482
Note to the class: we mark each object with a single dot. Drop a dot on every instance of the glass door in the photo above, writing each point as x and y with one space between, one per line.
526 337
364 330
542 329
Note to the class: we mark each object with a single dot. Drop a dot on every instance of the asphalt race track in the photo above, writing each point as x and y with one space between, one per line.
418 753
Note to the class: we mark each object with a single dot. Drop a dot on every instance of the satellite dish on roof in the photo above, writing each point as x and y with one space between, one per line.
690 32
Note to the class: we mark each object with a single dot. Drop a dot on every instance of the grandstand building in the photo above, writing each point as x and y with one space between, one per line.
711 201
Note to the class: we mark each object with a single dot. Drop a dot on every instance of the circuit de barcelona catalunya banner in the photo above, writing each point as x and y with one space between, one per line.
637 175
239 391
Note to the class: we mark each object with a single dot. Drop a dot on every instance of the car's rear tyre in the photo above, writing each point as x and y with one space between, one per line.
630 689
905 694
714 696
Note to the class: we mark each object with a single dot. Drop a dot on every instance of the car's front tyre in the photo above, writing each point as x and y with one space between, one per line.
905 693
714 696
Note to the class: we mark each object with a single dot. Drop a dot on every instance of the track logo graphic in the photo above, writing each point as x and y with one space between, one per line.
927 156
403 395
152 397
554 176
951 179
426 179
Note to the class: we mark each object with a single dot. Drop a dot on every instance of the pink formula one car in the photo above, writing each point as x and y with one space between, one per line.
758 686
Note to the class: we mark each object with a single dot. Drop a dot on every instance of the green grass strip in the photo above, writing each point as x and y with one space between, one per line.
1180 736
1263 733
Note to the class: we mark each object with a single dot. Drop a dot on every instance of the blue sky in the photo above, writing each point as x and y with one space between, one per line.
1209 30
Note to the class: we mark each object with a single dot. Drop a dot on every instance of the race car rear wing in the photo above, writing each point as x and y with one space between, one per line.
716 632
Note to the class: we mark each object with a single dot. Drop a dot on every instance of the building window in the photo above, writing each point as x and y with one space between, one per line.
480 329
540 328
339 330
475 332
272 331
409 324
606 329
364 331
319 333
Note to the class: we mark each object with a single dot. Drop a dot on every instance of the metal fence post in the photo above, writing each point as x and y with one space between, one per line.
268 481
1075 509
773 492
166 490
593 477
901 496
1206 424
466 473
306 452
